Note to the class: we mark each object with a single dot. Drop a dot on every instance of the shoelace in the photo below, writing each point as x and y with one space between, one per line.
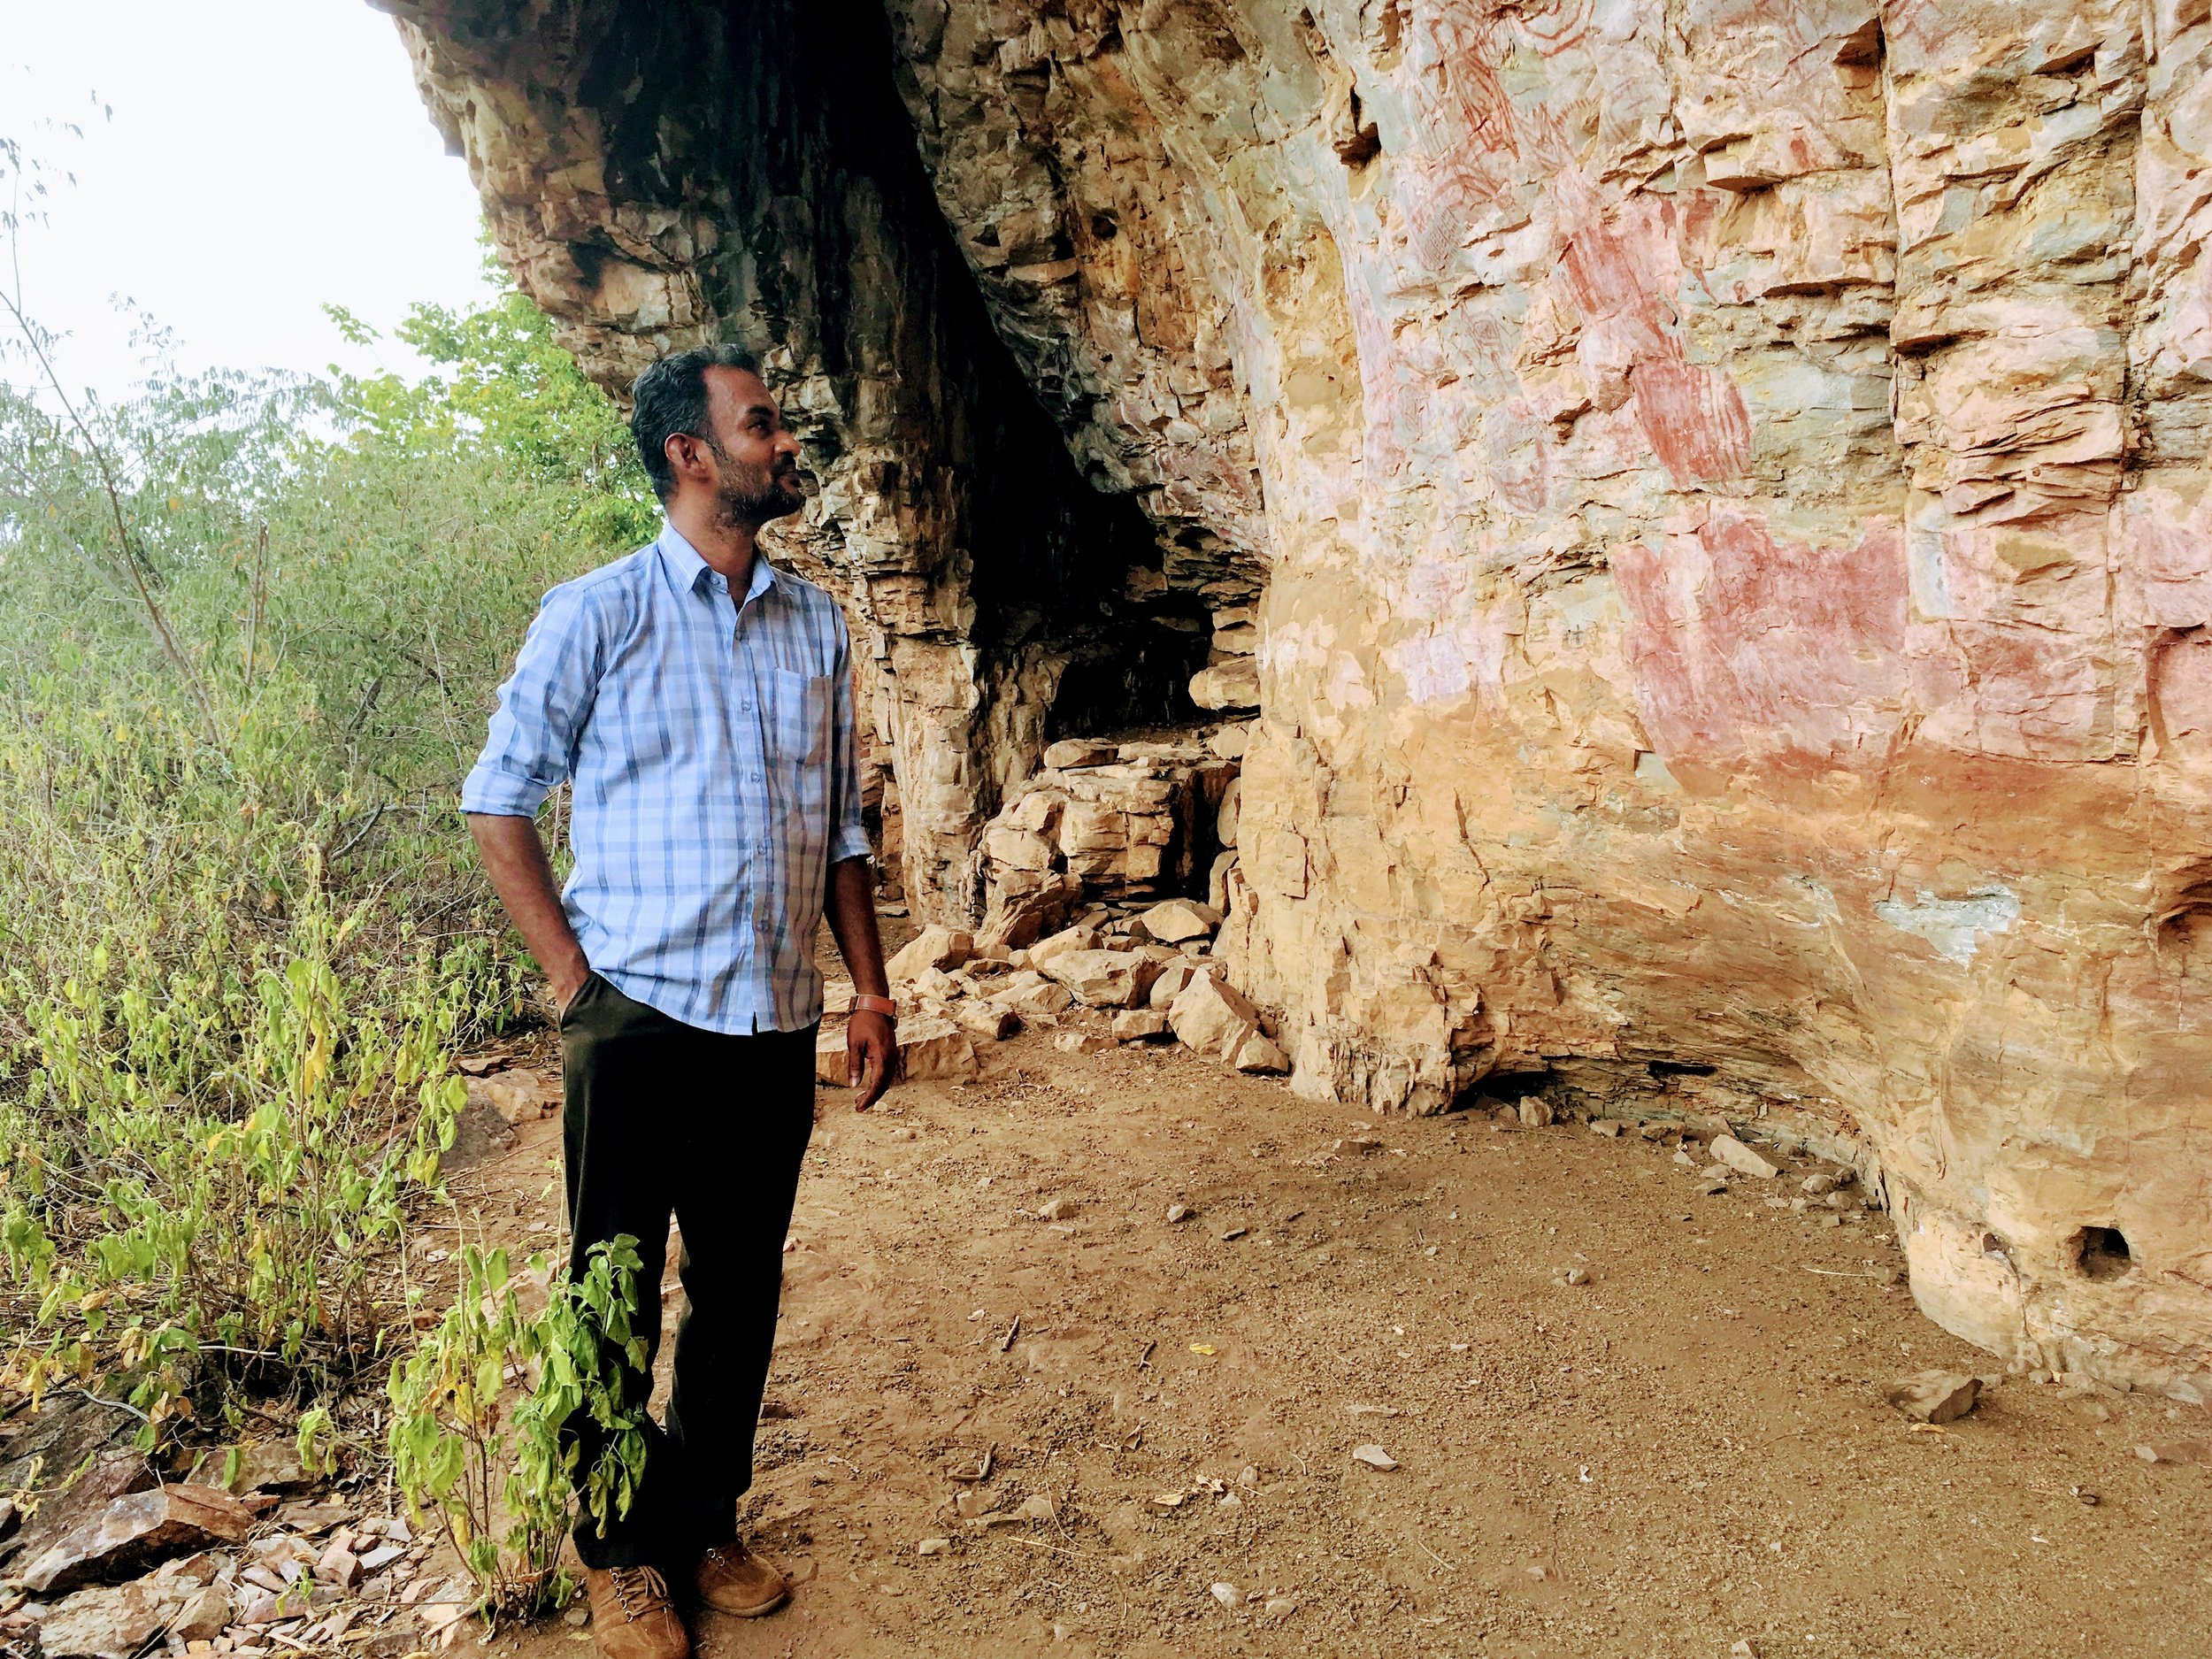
646 1584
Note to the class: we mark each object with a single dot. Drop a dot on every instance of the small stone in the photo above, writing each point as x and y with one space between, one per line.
106 1624
934 1049
1934 1396
382 1556
1212 1016
1683 1157
1102 979
1177 921
1179 1212
830 1060
1057 1209
1036 1506
1535 1111
1070 753
1746 1649
1232 684
932 1547
1260 1054
1374 1457
1033 996
1740 1157
1609 1127
135 1530
1819 1183
1174 977
1081 1042
340 1566
2172 1452
205 1616
274 1465
1139 1024
993 1021
1048 950
1228 1595
577 1616
933 947
518 1097
1710 1188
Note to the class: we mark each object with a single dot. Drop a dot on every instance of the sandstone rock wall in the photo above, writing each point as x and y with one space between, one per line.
1719 490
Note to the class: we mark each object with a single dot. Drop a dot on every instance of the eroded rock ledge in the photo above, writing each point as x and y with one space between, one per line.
1719 490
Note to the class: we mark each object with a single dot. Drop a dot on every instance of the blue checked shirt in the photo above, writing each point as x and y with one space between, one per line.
709 743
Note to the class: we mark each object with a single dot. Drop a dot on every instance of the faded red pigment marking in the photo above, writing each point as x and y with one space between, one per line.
1602 276
1695 418
2026 691
1744 648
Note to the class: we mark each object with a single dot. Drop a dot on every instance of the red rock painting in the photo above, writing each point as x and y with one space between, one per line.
1744 648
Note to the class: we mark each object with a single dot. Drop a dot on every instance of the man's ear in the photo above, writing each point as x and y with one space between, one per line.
682 450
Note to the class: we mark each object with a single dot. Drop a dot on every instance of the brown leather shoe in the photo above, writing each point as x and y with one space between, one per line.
732 1580
632 1616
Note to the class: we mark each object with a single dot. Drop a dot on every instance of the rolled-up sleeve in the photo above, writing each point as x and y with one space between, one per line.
531 748
848 837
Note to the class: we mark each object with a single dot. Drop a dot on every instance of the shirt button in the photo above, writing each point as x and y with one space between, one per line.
744 707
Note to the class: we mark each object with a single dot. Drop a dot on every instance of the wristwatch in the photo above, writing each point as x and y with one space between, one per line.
884 1005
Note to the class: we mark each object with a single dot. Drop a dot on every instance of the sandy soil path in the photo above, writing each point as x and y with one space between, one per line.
1685 1452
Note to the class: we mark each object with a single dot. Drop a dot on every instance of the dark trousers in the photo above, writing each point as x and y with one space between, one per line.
662 1117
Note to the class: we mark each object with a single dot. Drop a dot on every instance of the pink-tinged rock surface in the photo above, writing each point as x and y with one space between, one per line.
1715 495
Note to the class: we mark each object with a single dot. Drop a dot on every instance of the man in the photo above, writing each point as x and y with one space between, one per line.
699 702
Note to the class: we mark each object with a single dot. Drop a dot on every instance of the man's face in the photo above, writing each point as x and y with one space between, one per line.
755 458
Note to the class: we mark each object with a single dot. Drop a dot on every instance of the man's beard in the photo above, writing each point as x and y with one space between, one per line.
751 496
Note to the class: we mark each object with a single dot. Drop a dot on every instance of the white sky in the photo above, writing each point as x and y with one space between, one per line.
264 157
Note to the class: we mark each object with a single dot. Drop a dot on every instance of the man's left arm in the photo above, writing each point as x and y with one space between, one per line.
871 1042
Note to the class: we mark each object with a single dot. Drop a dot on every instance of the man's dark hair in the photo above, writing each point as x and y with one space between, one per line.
669 397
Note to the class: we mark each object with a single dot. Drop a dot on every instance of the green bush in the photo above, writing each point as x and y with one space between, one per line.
489 1460
250 628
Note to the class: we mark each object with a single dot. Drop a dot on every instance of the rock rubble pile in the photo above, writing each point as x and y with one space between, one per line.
194 1567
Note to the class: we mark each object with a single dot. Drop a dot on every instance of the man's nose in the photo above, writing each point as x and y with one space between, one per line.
787 443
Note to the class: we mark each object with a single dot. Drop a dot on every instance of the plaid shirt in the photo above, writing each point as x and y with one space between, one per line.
709 743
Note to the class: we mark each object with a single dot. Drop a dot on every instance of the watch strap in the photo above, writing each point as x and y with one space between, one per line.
864 1004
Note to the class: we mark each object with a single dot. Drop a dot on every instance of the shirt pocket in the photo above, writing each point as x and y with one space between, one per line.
795 710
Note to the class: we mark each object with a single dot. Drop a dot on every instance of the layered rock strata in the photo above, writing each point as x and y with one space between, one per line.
1712 496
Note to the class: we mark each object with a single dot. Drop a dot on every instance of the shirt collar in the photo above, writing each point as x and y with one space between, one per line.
688 569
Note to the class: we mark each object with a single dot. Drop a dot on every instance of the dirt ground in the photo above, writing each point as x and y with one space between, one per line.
1686 1452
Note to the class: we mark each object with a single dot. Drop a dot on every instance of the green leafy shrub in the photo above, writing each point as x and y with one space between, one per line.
486 1458
250 628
